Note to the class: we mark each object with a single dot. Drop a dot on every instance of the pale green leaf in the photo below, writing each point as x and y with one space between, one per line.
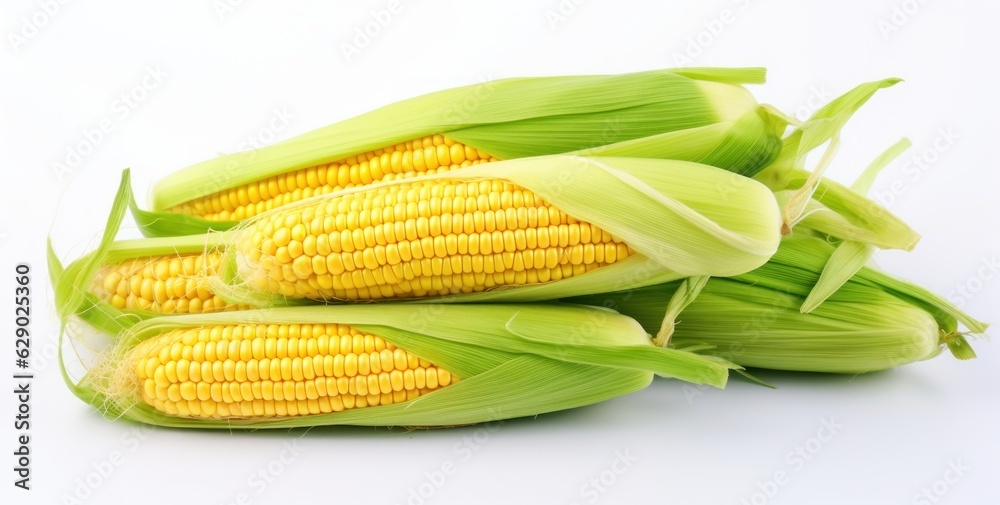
846 260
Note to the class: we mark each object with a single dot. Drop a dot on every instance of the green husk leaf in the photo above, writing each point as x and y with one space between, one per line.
584 349
172 224
846 260
70 285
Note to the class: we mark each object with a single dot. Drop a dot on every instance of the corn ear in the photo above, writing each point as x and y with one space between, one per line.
701 115
511 361
764 329
669 219
873 322
703 224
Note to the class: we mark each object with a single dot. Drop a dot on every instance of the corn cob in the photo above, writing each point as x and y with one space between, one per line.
427 365
873 322
260 370
700 115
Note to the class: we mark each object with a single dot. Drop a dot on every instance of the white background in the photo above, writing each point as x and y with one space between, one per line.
228 70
